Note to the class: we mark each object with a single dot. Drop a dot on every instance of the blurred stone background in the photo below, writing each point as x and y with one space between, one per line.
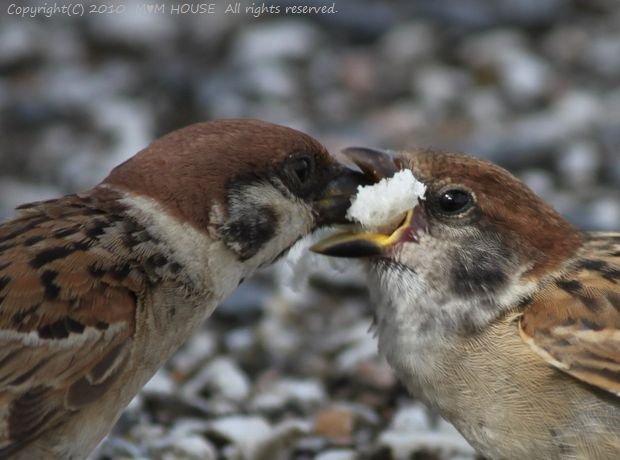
286 369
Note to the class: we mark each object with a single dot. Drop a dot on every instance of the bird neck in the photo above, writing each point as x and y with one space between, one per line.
413 306
175 250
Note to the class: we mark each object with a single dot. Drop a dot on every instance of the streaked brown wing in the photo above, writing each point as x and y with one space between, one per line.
67 310
575 323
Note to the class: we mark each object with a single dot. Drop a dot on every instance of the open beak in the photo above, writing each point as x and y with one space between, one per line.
357 245
376 165
332 206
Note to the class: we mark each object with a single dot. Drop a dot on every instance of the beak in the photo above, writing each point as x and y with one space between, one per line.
376 164
331 207
357 245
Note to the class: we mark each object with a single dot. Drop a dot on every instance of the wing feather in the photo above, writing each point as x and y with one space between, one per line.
67 309
574 324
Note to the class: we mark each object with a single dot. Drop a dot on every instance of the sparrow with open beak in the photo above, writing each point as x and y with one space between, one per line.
495 311
98 289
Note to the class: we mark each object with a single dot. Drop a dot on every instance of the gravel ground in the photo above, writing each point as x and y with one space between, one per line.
286 368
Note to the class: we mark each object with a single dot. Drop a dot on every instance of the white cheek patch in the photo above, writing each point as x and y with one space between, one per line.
293 218
382 205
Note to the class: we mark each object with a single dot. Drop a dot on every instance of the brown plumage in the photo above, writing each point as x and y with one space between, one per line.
98 289
498 313
574 323
242 150
69 288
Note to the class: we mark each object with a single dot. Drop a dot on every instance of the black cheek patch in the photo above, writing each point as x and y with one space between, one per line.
477 273
247 235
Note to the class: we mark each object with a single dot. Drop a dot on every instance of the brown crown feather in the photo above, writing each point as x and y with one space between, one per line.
188 170
542 235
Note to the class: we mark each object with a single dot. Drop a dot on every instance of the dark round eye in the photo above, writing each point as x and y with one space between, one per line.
454 201
302 169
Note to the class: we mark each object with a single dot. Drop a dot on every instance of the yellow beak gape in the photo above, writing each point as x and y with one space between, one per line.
356 245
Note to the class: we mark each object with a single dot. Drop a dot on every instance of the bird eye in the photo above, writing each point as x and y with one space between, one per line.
454 201
301 168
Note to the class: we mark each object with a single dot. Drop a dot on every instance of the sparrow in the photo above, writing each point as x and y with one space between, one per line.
98 289
494 310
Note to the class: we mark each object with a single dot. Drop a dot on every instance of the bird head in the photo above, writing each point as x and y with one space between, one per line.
256 186
479 235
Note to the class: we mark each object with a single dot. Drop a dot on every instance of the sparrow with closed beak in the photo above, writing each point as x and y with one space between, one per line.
495 311
98 289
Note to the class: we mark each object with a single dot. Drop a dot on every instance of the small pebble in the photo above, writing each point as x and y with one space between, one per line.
223 377
337 454
335 423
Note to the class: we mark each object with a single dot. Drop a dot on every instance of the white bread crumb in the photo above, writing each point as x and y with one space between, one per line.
383 204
